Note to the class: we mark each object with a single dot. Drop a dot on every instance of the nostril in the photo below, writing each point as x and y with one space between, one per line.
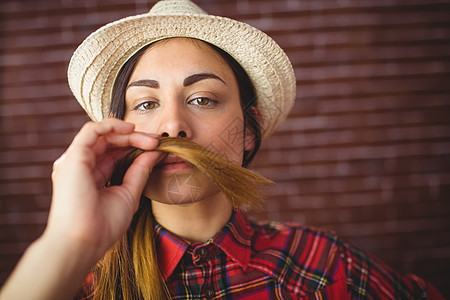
165 134
182 134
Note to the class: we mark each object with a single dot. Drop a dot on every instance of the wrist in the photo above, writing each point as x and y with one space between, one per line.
50 269
75 253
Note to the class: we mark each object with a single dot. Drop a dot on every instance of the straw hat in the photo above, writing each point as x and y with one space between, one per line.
95 64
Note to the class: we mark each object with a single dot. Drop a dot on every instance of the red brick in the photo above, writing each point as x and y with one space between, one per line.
364 151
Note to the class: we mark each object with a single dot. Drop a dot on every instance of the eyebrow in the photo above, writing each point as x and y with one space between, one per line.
187 81
200 76
145 82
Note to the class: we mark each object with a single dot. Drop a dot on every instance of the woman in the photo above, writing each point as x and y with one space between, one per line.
166 229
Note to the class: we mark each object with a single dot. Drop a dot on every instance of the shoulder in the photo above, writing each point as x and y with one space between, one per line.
296 240
307 260
303 259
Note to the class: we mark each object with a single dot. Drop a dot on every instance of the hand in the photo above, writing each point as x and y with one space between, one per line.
83 211
85 218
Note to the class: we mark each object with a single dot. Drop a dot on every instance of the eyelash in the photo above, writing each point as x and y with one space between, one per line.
211 102
140 106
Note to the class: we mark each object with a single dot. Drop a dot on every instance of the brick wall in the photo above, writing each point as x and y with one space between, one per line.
365 151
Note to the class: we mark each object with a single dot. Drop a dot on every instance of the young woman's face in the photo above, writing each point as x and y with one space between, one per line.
182 87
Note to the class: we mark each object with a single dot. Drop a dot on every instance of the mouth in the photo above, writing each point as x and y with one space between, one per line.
173 163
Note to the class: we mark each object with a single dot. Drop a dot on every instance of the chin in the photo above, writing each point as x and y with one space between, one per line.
180 188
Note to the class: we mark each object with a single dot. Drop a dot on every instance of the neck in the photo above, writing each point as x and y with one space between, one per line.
196 222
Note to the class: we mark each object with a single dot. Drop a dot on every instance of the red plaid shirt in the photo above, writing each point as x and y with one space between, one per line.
277 261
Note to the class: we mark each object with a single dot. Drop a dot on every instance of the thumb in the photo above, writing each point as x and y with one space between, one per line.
138 173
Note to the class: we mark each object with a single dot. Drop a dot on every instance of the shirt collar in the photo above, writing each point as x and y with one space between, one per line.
170 249
234 239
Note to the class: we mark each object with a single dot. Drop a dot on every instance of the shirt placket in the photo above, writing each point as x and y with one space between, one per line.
202 259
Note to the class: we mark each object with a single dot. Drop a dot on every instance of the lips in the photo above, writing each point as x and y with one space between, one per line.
173 162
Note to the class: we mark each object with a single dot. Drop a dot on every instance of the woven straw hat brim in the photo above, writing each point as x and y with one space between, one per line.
95 64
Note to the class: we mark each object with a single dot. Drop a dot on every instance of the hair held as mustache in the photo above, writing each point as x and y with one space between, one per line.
240 186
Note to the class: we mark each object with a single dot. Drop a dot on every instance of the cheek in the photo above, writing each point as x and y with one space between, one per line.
145 127
141 124
226 139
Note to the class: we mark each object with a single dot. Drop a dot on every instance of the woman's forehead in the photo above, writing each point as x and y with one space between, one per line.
185 54
185 43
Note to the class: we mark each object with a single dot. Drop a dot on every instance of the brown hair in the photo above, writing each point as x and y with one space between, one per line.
130 270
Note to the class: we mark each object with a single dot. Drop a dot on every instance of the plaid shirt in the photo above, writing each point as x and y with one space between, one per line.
278 261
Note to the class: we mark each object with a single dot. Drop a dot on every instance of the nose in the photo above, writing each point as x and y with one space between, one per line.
174 123
182 133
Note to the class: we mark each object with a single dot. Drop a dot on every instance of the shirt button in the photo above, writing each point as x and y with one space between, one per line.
209 293
202 252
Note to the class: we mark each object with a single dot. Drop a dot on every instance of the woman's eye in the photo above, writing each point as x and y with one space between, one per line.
147 105
202 101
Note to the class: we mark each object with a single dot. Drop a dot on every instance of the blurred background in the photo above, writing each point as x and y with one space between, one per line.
365 151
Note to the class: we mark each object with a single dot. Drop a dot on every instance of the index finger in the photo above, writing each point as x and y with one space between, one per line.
92 131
